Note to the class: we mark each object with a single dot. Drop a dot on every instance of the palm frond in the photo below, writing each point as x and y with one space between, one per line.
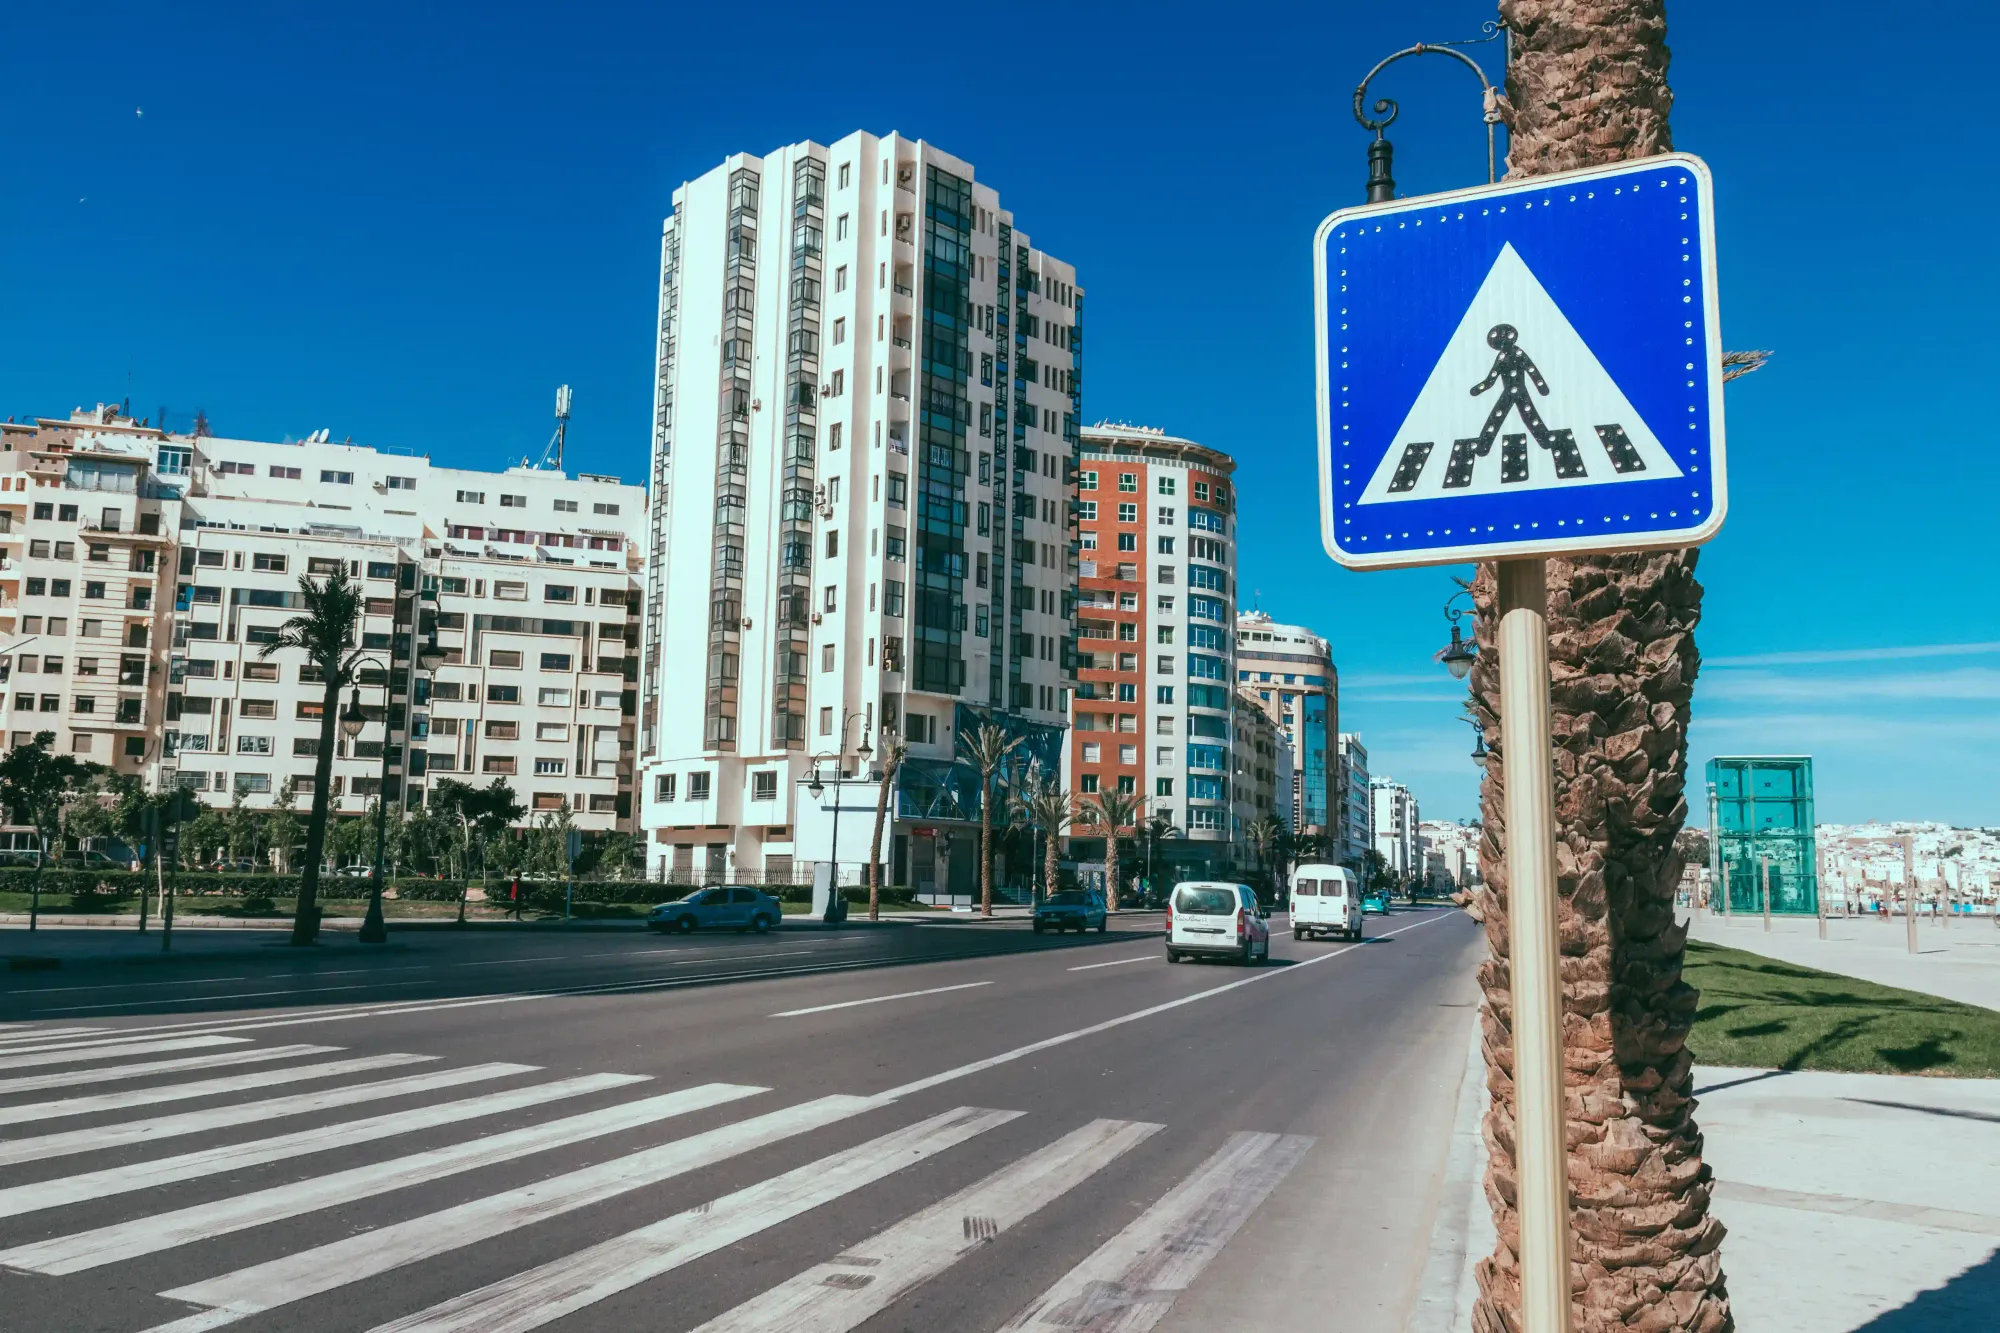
1735 365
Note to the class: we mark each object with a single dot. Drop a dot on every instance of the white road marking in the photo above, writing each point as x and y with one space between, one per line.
127 985
1133 1279
91 1103
145 1068
880 999
237 1156
16 1036
109 1050
868 1277
163 1231
1063 1038
149 1129
232 995
542 1295
294 1277
1116 962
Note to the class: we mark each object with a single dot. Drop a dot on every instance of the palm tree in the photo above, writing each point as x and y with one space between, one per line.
987 749
1045 804
325 634
1112 811
1587 83
892 753
1155 831
1264 834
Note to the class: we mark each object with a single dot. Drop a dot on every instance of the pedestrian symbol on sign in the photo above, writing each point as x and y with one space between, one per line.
1515 356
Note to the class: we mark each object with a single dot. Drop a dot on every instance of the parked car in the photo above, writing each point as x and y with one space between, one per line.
1071 909
729 906
1375 901
240 865
345 872
1212 919
1325 901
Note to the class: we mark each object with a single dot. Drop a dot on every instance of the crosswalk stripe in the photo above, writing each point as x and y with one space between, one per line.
294 1277
148 1235
69 1055
64 1078
208 1087
237 1156
1133 1279
867 1278
148 1129
541 1295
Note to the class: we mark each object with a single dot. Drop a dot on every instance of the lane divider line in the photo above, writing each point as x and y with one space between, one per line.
880 999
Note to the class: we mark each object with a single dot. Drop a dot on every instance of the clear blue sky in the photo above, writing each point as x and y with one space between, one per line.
410 227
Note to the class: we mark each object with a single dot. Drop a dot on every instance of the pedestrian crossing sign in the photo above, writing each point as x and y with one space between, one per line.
1522 369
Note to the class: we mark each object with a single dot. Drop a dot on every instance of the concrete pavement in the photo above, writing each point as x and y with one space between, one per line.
947 1128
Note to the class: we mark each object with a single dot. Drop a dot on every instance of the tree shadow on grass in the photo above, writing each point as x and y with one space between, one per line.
1966 1302
1926 1054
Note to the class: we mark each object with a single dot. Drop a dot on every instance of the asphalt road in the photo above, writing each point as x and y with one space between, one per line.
937 1127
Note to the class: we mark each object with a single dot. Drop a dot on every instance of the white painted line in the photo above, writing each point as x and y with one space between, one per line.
1133 1279
1062 1038
294 1277
232 995
92 1103
106 1050
150 1129
237 1156
146 1068
868 1277
183 1226
18 1036
1117 962
127 985
880 999
563 1286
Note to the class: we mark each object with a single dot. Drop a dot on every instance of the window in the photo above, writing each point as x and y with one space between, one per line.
664 785
1166 573
472 497
837 385
67 550
829 597
1165 516
549 698
316 564
1167 485
841 226
402 483
1128 541
832 545
504 657
513 502
1164 545
833 436
503 694
608 510
1087 782
698 786
565 506
1128 513
1201 490
329 477
498 763
899 489
839 332
892 598
250 784
253 745
840 274
257 707
266 563
284 473
509 591
1128 481
1092 753
559 592
229 469
550 768
555 661
764 785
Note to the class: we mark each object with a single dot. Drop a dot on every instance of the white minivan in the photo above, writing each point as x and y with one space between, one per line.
1325 901
1216 919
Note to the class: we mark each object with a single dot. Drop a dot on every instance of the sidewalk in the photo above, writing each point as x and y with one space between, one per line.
1959 962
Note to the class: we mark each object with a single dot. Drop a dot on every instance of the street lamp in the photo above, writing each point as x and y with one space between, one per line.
1458 655
1381 153
817 786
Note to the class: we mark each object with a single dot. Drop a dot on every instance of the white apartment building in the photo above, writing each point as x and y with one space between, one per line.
1357 828
864 455
1154 710
1396 835
1291 671
528 578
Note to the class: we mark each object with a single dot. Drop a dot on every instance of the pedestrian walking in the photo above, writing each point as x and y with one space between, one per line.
514 895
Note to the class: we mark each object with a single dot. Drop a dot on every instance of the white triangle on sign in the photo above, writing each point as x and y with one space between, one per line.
1577 428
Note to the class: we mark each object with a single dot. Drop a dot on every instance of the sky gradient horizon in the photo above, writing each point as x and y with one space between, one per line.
410 228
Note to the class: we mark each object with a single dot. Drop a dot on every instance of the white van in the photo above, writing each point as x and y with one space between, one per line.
1216 919
1325 901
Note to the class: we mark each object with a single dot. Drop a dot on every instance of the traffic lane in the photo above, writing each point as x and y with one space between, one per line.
114 993
1160 1068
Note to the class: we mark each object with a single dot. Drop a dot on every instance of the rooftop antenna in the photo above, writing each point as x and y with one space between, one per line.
555 449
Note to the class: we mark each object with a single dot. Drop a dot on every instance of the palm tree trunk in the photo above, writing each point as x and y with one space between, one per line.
875 844
1111 868
1587 82
1051 857
305 917
986 845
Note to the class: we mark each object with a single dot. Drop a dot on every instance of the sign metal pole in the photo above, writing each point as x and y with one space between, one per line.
1534 965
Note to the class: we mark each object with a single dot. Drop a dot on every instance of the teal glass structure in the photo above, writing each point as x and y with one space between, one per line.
1764 808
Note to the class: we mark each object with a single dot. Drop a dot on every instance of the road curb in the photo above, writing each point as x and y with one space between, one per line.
1464 1228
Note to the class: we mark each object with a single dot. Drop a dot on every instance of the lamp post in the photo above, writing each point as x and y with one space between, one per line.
1458 655
1381 153
373 929
817 786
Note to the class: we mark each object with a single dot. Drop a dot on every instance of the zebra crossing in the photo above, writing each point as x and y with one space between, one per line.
169 1096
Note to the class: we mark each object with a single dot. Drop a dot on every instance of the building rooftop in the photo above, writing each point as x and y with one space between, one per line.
1121 438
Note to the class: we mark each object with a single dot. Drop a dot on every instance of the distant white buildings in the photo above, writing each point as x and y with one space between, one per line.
1451 853
1396 834
1858 862
1357 825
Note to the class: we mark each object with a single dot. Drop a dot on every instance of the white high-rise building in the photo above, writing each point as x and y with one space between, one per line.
158 565
1357 827
864 457
1396 833
1290 670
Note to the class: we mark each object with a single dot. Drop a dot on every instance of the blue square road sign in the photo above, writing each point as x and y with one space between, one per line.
1522 369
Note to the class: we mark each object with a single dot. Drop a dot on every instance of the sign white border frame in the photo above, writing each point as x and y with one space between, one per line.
1539 545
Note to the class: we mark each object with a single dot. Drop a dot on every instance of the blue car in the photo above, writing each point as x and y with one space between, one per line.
1375 901
1070 909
